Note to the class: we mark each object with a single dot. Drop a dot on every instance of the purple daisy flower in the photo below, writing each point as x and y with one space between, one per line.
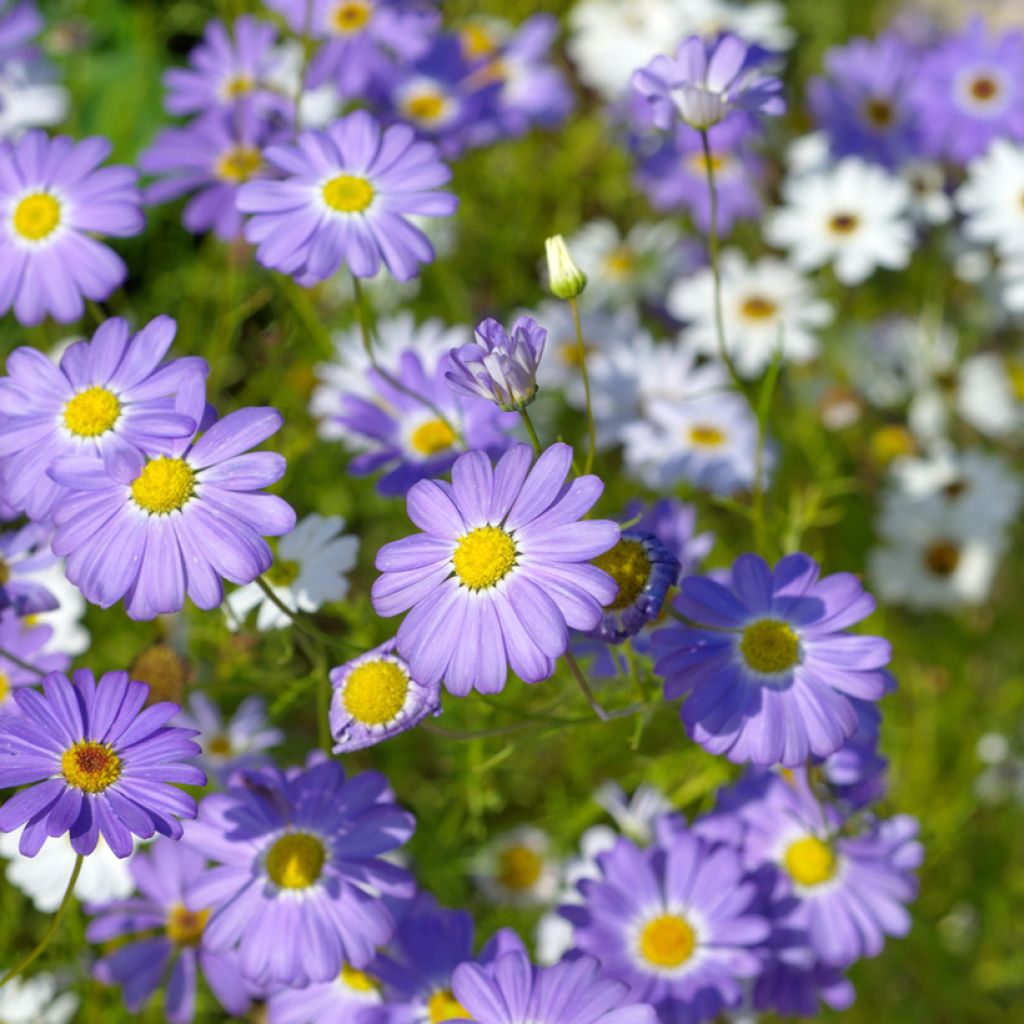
863 104
345 197
573 992
169 946
23 553
677 921
299 886
375 697
20 21
209 159
414 427
361 38
107 398
798 990
705 82
95 763
154 528
226 67
770 671
674 176
501 572
27 644
53 200
969 91
855 773
499 368
846 892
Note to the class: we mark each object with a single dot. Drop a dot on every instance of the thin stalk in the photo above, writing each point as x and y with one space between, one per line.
534 439
55 921
764 405
15 660
582 349
581 680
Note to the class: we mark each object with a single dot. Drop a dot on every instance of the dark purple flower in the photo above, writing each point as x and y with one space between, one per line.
500 367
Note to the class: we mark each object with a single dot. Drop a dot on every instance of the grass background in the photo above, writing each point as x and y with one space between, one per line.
960 676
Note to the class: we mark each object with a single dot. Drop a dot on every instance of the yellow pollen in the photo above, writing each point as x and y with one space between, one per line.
358 981
442 1006
704 435
891 442
698 163
983 88
350 16
37 216
238 164
375 692
667 941
296 860
518 868
5 686
569 352
219 746
283 572
90 766
770 645
164 485
425 106
484 556
92 412
348 194
757 307
619 262
432 437
809 861
843 223
942 558
185 927
628 564
164 671
238 85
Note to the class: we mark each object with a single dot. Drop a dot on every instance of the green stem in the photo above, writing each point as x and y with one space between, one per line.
15 660
301 624
534 439
764 405
582 349
55 921
581 680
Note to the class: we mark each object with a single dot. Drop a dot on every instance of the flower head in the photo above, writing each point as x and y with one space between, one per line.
230 744
500 573
95 763
565 279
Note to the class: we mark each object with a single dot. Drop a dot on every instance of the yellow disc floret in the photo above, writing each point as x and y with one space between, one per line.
629 565
518 868
428 106
706 435
185 927
37 216
92 412
484 557
770 645
238 164
358 981
810 861
375 692
283 572
350 16
5 687
90 766
757 307
667 941
442 1006
348 194
164 485
432 437
296 860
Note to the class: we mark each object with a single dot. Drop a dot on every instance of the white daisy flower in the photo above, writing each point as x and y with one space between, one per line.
36 1000
766 306
348 373
518 868
852 216
634 815
26 101
991 197
929 202
762 22
309 571
990 394
44 877
626 268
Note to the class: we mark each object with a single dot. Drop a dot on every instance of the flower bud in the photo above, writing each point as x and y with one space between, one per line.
565 279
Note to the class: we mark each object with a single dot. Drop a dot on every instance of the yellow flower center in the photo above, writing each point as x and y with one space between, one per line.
477 41
164 671
983 88
283 572
443 1006
164 485
809 861
698 163
706 435
375 692
296 860
1015 375
843 223
570 354
518 868
348 194
219 746
428 106
770 645
92 412
350 16
238 85
185 927
757 307
90 766
37 215
942 558
667 941
628 564
484 557
432 437
5 686
891 442
238 164
619 262
358 981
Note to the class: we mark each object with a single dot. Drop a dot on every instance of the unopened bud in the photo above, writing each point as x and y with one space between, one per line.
565 279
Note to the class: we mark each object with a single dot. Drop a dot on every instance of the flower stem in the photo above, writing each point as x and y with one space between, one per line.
581 680
716 275
55 921
534 439
764 405
15 660
582 349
